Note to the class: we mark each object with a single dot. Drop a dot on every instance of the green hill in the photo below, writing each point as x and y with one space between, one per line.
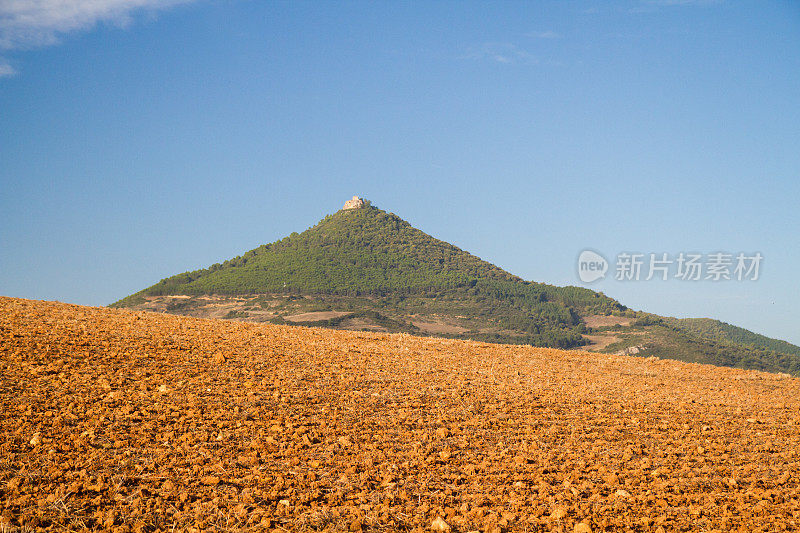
704 340
715 330
369 258
353 252
363 268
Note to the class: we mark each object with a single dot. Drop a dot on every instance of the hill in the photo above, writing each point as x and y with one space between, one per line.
372 262
118 420
716 330
702 340
363 268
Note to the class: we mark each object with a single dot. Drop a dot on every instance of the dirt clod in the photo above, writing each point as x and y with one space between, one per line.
439 525
582 527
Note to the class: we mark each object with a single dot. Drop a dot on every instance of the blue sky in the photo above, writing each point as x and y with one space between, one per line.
142 138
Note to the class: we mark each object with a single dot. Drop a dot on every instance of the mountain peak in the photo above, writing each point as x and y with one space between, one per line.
355 203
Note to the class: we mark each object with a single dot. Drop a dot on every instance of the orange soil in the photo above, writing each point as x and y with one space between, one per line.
134 421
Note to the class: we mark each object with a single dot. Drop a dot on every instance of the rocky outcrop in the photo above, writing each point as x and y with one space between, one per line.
631 350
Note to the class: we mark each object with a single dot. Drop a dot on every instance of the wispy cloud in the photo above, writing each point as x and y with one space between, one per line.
682 2
6 69
28 24
502 53
549 34
653 5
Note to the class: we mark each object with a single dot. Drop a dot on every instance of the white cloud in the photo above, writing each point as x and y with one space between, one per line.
25 23
35 23
6 69
549 34
502 53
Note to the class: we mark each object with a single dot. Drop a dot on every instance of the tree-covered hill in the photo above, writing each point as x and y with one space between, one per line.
363 268
716 330
352 252
367 252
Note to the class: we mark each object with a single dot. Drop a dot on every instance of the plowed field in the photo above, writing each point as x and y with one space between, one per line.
134 421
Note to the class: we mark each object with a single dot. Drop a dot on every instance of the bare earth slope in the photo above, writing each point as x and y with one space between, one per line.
133 421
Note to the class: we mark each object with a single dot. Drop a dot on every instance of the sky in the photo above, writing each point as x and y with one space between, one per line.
143 138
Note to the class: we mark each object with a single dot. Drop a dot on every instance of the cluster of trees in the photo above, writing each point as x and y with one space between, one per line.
550 339
587 301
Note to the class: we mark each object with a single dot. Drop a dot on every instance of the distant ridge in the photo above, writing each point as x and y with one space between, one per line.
364 268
